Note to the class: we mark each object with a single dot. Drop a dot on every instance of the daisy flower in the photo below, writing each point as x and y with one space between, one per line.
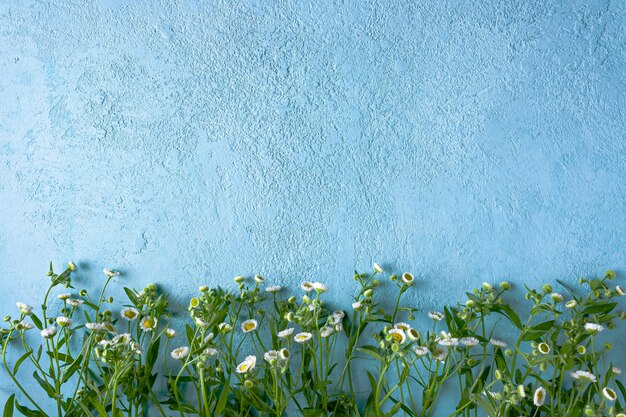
306 286
284 354
469 341
556 297
130 313
339 315
123 338
180 353
303 337
620 291
274 289
402 326
326 331
539 398
378 268
397 335
75 302
249 325
616 370
593 327
95 327
609 394
49 333
319 287
64 297
544 348
420 350
201 323
435 315
225 327
571 304
408 278
148 324
169 332
247 365
357 305
259 279
584 376
413 334
448 341
64 321
285 333
24 308
110 273
497 343
26 326
210 351
270 355
208 337
440 354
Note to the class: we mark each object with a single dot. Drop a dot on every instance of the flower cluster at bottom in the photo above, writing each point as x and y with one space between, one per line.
253 352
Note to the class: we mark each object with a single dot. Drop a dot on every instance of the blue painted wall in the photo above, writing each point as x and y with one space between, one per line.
188 142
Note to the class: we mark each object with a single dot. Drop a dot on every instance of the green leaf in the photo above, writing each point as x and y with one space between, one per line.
28 412
221 403
599 308
20 360
132 296
371 351
36 321
8 407
44 384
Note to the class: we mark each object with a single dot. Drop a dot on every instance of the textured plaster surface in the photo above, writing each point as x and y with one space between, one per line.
187 142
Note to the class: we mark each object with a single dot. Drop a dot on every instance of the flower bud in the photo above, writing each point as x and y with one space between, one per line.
7 318
571 304
291 299
239 279
470 303
259 279
248 383
71 266
547 288
204 288
581 349
505 285
368 293
83 293
620 291
498 374
610 275
487 286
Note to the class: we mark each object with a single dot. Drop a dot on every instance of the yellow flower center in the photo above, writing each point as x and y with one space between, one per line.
249 326
243 367
147 323
397 337
130 314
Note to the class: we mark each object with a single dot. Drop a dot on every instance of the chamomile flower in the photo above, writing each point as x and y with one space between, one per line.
64 297
556 297
620 291
49 333
95 327
210 351
249 325
169 332
110 273
123 338
319 287
208 338
448 341
303 337
339 315
64 321
274 289
413 334
378 268
24 308
497 343
270 355
571 304
285 333
306 286
584 376
247 365
397 335
593 327
408 278
148 324
544 348
357 305
259 279
326 331
420 350
180 353
439 355
609 394
225 327
74 302
435 315
469 341
201 323
539 398
130 313
616 370
25 325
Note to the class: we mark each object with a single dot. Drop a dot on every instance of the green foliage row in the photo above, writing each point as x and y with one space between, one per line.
252 352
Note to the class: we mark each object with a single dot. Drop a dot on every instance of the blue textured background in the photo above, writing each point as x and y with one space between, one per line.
189 142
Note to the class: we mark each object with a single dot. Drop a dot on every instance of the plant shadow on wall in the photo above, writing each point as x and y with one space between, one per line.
254 353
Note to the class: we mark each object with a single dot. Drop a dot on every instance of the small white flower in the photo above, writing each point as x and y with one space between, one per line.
413 334
307 286
284 354
339 328
148 324
326 331
225 327
180 353
49 333
408 278
378 268
319 287
123 338
24 308
616 370
593 327
25 325
402 326
571 304
339 315
397 335
259 279
95 327
469 341
584 376
169 332
303 337
544 348
64 321
270 355
497 343
609 394
556 297
539 398
357 305
249 325
435 315
420 350
210 351
110 273
521 391
64 297
620 291
201 323
439 355
274 289
448 341
247 365
130 313
239 279
75 302
285 333
134 346
208 338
